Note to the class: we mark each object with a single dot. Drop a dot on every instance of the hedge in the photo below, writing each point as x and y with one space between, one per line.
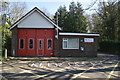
110 46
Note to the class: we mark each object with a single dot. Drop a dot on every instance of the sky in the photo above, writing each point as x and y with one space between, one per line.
51 6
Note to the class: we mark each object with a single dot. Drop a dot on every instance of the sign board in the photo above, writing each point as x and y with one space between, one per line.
89 40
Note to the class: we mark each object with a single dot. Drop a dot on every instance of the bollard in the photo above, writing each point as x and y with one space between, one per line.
13 53
5 53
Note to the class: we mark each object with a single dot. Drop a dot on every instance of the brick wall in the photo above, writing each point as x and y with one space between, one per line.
90 49
14 41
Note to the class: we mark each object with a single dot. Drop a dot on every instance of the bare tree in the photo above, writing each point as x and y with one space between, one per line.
10 12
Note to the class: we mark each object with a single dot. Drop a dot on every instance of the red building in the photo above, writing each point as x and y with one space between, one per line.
35 34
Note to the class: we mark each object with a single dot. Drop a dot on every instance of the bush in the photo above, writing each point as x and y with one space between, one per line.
7 45
110 46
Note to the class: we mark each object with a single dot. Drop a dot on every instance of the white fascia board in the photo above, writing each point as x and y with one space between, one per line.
35 27
31 13
79 34
22 19
49 20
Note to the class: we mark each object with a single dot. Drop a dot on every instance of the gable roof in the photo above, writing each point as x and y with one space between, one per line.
40 12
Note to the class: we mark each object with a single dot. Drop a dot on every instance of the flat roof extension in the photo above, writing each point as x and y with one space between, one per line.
79 34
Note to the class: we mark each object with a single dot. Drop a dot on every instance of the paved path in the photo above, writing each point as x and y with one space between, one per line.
104 67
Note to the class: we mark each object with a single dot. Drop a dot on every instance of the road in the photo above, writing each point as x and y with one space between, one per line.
103 67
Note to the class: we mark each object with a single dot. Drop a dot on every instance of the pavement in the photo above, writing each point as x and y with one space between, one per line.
103 67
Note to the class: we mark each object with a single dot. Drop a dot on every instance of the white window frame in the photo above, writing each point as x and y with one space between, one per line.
28 43
51 44
66 39
23 43
41 43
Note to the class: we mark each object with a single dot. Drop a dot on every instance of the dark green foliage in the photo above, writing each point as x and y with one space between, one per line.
107 23
72 20
110 46
61 17
109 20
7 44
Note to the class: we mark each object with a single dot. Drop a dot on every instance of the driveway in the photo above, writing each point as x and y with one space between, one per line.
103 67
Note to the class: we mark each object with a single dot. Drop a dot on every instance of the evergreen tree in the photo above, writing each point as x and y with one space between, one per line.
72 20
61 16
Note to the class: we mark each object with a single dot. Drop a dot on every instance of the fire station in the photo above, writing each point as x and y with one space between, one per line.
35 34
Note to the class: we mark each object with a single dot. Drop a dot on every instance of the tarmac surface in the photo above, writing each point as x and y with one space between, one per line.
103 67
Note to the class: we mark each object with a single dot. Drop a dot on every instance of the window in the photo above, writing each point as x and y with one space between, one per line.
40 43
70 43
49 43
65 42
21 43
31 42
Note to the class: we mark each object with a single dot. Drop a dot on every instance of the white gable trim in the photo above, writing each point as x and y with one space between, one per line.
30 14
50 21
22 19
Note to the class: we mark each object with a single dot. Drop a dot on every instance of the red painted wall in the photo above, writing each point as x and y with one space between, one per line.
36 35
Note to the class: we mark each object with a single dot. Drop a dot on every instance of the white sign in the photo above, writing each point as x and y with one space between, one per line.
88 40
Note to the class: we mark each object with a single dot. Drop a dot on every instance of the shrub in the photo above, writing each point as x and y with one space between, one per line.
110 46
